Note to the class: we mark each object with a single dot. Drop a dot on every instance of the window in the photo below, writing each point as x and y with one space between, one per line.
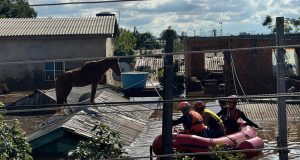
53 69
214 61
290 60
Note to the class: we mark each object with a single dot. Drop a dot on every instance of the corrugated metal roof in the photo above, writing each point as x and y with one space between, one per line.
101 25
265 111
125 120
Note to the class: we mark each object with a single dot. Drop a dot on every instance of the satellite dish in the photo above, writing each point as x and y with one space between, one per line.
124 67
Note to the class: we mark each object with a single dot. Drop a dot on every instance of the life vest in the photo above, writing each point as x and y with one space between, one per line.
208 113
236 115
197 122
230 121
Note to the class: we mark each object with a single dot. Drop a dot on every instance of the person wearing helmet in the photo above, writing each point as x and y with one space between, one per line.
191 120
230 115
215 127
222 103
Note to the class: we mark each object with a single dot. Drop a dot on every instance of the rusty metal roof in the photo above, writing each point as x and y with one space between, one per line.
101 25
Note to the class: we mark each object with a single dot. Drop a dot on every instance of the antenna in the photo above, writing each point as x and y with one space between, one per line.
221 27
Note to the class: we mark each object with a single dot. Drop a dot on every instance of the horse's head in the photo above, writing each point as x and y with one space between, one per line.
115 66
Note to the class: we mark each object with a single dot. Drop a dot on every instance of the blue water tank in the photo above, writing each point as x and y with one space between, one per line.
134 80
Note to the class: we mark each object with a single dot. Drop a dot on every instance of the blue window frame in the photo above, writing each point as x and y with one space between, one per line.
53 70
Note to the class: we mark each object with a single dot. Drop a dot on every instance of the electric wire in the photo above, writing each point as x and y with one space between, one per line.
211 153
149 55
47 107
86 2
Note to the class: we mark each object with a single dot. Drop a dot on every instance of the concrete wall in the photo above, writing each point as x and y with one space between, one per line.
28 76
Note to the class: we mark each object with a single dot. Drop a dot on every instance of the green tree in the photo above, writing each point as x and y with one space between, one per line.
105 144
178 41
291 25
16 9
13 142
124 44
146 41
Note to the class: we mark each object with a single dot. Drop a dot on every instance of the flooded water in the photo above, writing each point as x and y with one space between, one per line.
141 147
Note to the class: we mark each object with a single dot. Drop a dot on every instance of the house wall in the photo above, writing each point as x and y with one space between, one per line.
28 76
253 67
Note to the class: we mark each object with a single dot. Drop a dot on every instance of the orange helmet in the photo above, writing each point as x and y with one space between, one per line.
183 105
199 105
233 98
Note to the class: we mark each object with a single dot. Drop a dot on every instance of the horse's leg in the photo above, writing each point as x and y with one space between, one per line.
93 92
59 93
67 90
59 90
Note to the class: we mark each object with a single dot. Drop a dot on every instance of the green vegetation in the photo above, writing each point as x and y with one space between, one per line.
146 41
178 80
13 142
178 40
16 9
124 44
104 145
225 155
218 155
291 25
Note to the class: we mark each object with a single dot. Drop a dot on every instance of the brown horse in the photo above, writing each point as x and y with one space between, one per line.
90 73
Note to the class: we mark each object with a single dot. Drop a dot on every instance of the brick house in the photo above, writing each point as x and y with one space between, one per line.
255 69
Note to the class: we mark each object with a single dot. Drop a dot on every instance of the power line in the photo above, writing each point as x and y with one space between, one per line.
88 2
211 153
153 55
51 107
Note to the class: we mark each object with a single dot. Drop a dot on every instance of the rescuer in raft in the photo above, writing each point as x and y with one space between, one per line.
230 115
211 120
191 120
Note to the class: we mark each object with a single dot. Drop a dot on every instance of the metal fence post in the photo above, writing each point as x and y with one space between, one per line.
282 137
168 95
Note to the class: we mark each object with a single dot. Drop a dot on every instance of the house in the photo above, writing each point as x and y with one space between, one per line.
254 70
34 51
52 136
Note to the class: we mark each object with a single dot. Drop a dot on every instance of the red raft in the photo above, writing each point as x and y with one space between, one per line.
246 138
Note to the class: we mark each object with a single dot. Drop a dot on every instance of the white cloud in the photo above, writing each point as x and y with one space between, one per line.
183 15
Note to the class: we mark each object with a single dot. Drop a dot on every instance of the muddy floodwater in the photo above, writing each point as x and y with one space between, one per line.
269 132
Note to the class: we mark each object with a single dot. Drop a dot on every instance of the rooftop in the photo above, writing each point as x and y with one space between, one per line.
100 25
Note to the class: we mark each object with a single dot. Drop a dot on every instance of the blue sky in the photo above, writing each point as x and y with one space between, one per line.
197 17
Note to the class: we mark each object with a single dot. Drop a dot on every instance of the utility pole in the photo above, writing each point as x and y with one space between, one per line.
221 27
282 129
214 32
168 95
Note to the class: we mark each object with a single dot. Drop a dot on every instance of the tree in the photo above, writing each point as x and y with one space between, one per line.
13 142
124 44
290 24
146 41
104 145
178 41
16 9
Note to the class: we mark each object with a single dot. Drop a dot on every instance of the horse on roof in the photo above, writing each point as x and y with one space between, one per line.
91 72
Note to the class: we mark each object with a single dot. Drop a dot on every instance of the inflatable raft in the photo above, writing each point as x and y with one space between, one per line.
246 138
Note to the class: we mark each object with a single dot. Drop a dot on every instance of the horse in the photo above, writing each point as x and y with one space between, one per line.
91 72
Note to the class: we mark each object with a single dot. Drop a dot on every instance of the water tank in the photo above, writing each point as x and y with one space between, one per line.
105 14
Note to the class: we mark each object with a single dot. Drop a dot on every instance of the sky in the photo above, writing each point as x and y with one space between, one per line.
194 17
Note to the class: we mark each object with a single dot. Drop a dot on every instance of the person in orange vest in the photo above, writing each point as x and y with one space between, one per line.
230 115
191 120
211 120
